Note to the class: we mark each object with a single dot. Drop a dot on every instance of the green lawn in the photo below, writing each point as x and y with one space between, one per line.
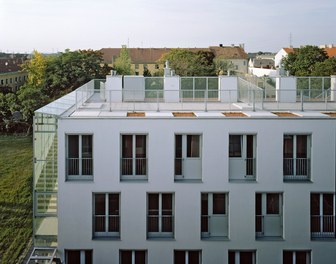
16 174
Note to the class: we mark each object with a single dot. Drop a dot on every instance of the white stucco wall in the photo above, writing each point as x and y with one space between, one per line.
278 57
75 198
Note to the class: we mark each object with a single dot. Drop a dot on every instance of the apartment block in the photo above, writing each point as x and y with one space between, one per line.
200 170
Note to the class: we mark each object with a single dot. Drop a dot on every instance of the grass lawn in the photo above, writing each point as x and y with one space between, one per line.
16 175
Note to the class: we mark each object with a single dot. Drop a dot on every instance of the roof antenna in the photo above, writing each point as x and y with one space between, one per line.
290 40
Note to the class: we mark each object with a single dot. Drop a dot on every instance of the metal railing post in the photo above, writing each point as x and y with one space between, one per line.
301 94
253 100
110 100
157 101
206 95
326 100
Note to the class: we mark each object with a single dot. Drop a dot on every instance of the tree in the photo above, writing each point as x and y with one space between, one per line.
51 77
302 61
325 68
146 72
71 69
36 68
123 63
188 63
224 67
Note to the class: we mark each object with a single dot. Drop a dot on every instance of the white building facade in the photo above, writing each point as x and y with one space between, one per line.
157 183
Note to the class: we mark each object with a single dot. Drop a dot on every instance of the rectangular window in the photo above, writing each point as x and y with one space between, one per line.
242 257
79 157
187 257
160 215
188 162
133 256
296 257
106 215
134 157
214 216
242 157
322 211
78 256
296 157
268 210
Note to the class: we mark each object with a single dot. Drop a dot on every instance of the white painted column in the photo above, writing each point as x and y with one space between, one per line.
113 88
228 87
285 89
171 87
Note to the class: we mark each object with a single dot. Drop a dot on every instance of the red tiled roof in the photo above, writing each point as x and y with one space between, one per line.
331 52
289 50
152 55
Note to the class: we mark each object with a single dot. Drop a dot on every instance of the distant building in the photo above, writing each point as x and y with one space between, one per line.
329 49
143 58
262 65
11 75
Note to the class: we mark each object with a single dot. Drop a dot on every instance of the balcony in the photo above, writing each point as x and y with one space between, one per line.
133 169
188 169
268 226
160 226
323 226
79 168
214 226
242 169
296 169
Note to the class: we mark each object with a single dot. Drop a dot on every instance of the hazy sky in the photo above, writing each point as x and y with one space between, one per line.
54 25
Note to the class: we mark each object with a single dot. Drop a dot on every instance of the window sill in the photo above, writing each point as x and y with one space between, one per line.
297 180
105 238
183 180
161 238
245 180
133 179
270 238
223 238
79 178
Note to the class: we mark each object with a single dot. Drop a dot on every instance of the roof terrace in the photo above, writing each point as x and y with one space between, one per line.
137 96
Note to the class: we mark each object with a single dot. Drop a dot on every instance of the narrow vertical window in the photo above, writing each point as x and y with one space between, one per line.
133 157
79 157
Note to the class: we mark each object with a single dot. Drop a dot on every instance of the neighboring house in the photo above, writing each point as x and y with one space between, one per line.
280 55
142 58
235 54
118 180
262 65
329 49
11 75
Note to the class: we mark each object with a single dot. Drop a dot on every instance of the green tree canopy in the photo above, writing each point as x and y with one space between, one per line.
51 77
123 63
71 69
302 62
188 63
325 68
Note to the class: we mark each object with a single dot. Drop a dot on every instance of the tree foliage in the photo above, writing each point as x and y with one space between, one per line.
303 61
188 63
224 67
48 79
123 63
325 68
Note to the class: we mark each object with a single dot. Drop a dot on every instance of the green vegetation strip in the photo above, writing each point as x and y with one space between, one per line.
16 174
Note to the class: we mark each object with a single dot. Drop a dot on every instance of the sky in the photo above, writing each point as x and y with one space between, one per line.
261 25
